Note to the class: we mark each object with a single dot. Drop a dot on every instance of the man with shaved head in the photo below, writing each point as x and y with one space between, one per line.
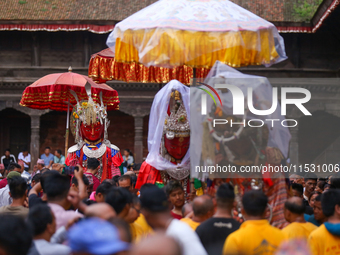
203 208
186 209
100 210
156 243
294 214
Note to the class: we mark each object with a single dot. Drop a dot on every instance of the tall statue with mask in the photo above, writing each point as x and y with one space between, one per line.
168 138
89 125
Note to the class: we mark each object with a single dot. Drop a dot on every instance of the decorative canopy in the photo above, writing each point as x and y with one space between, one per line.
103 67
196 33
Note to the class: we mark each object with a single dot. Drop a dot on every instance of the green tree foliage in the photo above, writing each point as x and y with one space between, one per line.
304 10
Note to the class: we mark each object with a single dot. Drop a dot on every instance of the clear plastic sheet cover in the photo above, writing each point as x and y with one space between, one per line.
196 33
279 136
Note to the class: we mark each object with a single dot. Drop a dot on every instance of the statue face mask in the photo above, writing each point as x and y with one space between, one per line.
92 132
177 147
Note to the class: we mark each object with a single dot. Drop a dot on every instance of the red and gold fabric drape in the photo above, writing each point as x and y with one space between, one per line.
103 67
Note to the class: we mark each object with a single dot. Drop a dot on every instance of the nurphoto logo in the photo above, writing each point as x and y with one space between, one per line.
239 105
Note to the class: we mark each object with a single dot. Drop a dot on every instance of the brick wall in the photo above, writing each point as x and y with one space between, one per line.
52 131
121 130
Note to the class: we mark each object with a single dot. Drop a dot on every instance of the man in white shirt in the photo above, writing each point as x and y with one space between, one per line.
26 158
5 198
156 211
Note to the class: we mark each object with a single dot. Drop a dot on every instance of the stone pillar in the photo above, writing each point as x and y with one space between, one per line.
294 146
138 139
35 139
138 109
86 50
296 51
36 51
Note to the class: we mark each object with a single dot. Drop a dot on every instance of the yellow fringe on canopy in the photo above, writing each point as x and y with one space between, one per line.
202 49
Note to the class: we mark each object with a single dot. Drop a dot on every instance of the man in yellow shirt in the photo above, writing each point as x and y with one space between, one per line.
141 221
255 236
326 239
144 225
137 232
203 209
294 214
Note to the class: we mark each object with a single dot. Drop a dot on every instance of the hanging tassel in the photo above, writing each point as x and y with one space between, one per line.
81 157
104 173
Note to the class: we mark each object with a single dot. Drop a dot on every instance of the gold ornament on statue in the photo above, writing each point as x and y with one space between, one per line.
177 97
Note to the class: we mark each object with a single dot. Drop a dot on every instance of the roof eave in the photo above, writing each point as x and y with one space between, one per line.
325 8
64 22
293 27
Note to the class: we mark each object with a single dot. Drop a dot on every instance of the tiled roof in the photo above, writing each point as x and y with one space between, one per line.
282 11
62 10
116 10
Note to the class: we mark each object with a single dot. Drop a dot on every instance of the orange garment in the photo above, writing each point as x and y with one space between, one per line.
144 225
299 230
137 232
254 237
322 242
191 223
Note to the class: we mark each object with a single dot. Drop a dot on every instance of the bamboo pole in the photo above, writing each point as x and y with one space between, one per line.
67 128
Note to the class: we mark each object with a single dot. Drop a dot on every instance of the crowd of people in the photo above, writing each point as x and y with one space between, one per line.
59 211
47 159
24 158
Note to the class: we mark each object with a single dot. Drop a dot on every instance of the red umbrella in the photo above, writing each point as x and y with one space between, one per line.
53 92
